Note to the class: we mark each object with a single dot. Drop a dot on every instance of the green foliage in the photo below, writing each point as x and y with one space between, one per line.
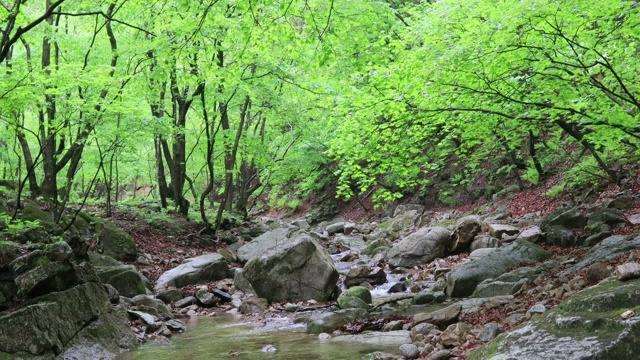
15 228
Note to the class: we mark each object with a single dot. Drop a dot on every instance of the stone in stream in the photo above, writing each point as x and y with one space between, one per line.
299 271
377 338
372 275
409 351
327 322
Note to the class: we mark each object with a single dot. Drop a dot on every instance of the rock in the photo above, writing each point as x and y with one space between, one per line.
402 209
596 238
537 309
269 349
331 321
466 230
393 228
441 318
597 272
335 228
569 218
253 305
174 325
125 278
379 355
490 288
271 240
607 249
611 217
409 351
350 302
359 292
194 271
585 326
152 306
532 234
377 246
429 297
241 283
480 253
146 318
205 298
483 242
441 354
112 293
169 295
299 271
421 329
188 300
393 326
303 224
497 230
62 322
454 334
420 247
360 274
377 338
620 202
397 288
463 280
630 270
224 297
115 242
489 332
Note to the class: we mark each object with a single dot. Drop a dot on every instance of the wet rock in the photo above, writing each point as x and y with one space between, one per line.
299 271
147 319
359 292
328 322
409 351
253 305
463 280
194 271
188 300
223 296
350 302
377 338
429 297
379 355
162 340
152 306
420 247
441 318
273 239
466 230
397 288
174 325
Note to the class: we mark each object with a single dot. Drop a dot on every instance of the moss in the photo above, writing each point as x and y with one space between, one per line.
487 350
33 212
609 296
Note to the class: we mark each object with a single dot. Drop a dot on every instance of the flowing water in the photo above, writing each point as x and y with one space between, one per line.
229 338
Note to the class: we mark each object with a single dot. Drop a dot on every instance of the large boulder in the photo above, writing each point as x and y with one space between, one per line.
462 281
373 275
270 240
569 218
466 230
59 321
588 325
115 242
420 247
194 271
607 249
299 271
124 278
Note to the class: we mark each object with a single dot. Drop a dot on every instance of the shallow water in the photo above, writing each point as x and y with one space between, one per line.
222 338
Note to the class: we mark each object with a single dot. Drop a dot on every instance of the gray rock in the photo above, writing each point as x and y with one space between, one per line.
483 242
402 209
169 296
532 234
497 230
409 351
538 309
253 305
490 288
125 278
188 300
569 218
441 318
377 338
115 242
463 280
420 247
152 306
585 326
299 271
194 271
273 239
205 298
489 332
379 355
480 253
360 274
241 283
303 224
607 249
611 217
466 230
422 329
429 297
146 318
335 228
331 321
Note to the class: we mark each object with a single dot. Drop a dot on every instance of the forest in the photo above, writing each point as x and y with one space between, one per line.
213 107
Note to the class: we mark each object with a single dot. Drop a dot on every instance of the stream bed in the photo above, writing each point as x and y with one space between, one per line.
229 337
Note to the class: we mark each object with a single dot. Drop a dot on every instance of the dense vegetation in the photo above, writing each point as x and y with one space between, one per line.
209 105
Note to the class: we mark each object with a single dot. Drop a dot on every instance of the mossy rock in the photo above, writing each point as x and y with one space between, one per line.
115 242
359 292
33 212
351 302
